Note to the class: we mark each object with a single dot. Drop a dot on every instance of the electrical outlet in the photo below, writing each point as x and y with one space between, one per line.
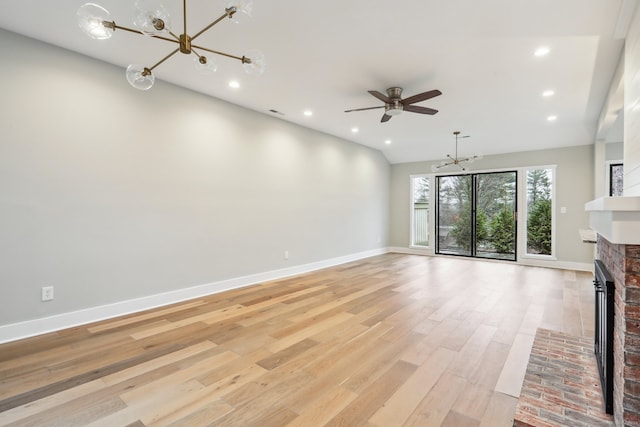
286 254
47 293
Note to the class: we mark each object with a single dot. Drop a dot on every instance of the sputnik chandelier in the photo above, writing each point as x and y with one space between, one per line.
152 19
455 160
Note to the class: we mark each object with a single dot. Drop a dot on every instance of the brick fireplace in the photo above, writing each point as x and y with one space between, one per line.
623 262
617 223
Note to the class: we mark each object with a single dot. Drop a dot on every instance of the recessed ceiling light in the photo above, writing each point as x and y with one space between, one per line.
552 118
234 84
542 51
354 129
308 113
548 93
388 142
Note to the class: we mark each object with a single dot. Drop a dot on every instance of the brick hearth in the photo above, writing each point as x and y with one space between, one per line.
561 386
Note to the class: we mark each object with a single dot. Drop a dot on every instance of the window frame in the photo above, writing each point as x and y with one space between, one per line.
431 218
609 164
523 253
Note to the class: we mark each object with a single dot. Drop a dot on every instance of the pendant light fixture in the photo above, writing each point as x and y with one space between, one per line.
152 19
455 160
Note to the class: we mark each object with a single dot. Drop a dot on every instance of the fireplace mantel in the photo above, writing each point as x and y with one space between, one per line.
617 219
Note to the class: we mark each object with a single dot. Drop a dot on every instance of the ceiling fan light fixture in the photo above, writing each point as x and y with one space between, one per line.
394 104
394 111
91 20
140 77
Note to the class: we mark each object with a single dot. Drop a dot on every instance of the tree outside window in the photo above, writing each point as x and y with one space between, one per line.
539 211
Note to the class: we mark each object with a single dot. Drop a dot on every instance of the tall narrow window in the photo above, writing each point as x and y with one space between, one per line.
539 211
615 179
420 214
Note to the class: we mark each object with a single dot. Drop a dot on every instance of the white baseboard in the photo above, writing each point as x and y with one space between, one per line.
411 251
30 328
564 265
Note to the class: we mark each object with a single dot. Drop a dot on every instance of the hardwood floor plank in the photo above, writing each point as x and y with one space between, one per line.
435 407
324 408
512 375
389 340
153 364
54 400
374 396
472 402
141 317
198 416
397 409
500 412
286 355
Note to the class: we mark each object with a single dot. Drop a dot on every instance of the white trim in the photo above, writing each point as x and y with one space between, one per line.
413 250
29 328
522 225
563 265
430 234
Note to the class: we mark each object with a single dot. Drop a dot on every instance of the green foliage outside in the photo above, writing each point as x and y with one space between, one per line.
539 227
502 231
539 211
461 230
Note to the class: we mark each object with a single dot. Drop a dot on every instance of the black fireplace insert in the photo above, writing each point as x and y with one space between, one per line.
603 345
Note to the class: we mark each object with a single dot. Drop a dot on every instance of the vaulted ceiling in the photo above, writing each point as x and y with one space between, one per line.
324 56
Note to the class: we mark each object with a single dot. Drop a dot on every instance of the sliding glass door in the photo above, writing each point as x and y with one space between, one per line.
476 215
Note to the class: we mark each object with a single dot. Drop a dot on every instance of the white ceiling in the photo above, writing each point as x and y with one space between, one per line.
325 55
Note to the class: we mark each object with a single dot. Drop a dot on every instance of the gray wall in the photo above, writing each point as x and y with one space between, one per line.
614 151
574 178
110 194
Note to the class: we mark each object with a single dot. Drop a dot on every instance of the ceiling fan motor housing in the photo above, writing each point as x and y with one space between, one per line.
395 107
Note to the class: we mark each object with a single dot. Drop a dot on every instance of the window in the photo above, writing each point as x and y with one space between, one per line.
616 173
420 210
539 212
476 215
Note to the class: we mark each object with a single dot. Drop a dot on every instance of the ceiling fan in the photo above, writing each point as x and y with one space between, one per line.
394 104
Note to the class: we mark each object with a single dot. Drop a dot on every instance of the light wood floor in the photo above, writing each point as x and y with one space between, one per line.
393 340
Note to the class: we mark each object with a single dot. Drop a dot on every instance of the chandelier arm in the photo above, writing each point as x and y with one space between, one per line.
209 26
239 58
164 59
177 38
131 30
184 17
119 27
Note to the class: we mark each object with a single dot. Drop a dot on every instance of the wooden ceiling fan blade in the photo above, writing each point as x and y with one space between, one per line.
382 97
363 109
418 109
385 118
421 97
